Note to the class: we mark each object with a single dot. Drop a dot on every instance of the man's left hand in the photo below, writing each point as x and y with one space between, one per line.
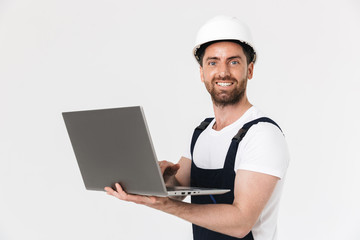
151 201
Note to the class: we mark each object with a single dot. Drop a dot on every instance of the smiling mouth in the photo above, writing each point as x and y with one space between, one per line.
224 84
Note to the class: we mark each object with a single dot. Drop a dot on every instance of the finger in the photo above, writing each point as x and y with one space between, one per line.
109 190
176 167
120 192
118 187
163 166
172 170
139 199
122 195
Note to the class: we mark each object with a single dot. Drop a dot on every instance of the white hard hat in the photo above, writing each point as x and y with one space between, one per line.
223 28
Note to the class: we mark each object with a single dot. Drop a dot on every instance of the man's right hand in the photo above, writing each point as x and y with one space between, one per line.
169 170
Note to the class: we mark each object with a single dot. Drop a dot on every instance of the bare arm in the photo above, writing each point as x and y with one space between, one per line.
252 192
183 175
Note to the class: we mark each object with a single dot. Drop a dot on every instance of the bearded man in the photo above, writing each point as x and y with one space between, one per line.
240 149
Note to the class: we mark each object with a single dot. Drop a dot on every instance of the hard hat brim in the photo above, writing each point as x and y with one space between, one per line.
204 45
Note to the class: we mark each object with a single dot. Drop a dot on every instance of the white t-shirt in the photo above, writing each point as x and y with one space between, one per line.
263 149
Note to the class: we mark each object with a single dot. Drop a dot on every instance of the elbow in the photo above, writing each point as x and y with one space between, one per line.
241 233
242 225
241 230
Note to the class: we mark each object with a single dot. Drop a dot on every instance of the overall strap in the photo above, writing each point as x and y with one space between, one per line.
198 130
241 133
231 154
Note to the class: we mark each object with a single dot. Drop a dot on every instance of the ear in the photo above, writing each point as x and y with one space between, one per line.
250 69
201 74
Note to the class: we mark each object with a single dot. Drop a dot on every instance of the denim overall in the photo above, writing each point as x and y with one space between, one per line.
218 178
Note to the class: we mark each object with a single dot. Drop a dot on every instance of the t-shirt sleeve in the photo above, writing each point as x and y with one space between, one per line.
263 149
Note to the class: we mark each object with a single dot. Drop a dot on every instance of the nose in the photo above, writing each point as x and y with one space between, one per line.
223 71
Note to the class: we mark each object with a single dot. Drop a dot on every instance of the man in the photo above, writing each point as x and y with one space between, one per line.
252 164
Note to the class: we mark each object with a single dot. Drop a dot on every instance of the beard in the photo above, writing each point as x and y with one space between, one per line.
223 98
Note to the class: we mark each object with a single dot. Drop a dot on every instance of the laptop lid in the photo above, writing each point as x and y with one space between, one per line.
110 145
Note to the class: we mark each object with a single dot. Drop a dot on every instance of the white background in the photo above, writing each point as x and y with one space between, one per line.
62 55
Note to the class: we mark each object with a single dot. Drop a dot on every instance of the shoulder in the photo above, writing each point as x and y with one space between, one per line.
265 129
265 135
264 149
262 128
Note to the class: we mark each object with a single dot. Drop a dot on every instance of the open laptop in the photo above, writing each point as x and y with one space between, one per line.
114 146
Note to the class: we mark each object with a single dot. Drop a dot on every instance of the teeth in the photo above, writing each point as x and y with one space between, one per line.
223 84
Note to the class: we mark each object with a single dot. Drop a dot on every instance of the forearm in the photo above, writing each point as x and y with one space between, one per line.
224 218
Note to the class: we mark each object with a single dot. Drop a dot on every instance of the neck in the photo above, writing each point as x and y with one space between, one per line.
226 115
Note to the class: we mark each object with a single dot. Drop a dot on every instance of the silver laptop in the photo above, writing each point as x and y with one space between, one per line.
114 146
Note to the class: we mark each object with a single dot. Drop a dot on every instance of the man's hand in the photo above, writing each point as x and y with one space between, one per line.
119 193
169 170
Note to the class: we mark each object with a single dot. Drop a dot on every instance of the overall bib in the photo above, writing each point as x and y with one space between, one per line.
218 178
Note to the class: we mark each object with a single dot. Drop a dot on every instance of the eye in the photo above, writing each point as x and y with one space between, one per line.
211 63
234 62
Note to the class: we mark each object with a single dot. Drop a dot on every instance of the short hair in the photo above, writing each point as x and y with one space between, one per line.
248 50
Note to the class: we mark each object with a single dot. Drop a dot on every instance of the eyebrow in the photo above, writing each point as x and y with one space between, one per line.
212 58
229 58
233 57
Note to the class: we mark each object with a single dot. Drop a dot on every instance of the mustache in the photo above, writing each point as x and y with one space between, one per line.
224 79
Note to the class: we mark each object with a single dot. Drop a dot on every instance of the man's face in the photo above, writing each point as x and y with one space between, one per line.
225 73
